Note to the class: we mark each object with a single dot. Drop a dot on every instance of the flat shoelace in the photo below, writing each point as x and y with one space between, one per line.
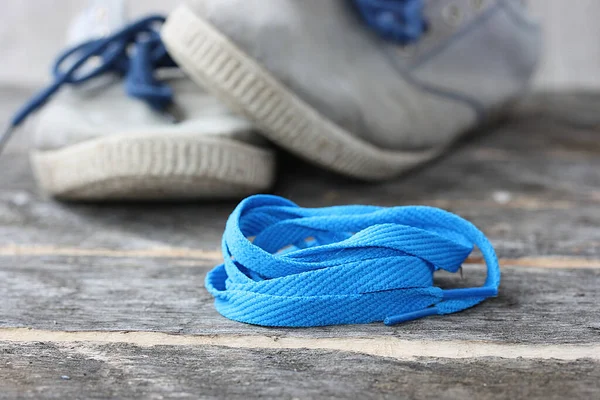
401 21
290 266
133 52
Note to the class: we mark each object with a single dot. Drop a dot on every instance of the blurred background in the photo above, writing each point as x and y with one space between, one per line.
32 32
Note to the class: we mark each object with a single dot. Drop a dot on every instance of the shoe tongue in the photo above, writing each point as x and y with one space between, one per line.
99 18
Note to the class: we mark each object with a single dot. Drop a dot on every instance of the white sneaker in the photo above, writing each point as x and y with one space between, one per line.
368 88
93 142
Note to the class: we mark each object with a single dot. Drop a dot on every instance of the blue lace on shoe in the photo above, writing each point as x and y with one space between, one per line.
397 20
291 266
133 52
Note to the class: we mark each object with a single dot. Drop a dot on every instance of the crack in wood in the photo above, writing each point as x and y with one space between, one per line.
390 347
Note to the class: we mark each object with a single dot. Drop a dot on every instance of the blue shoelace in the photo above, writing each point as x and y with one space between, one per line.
401 21
290 266
133 52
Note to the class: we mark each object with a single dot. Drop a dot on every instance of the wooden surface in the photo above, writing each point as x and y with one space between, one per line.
34 370
110 297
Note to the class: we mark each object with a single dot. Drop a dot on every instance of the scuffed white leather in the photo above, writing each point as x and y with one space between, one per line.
324 53
490 61
100 107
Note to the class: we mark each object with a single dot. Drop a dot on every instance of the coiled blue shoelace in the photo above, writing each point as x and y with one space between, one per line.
133 52
397 20
290 266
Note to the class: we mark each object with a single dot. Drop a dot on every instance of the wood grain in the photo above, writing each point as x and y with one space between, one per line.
531 183
34 371
535 305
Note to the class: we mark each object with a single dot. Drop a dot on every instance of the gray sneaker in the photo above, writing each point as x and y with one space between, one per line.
365 88
94 142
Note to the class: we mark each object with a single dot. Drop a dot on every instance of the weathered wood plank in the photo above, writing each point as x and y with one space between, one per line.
544 306
516 232
99 371
532 184
394 347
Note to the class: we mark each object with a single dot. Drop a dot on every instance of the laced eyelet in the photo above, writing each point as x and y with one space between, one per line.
452 15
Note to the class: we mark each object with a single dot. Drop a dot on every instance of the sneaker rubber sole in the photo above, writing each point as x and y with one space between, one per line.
154 167
217 64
